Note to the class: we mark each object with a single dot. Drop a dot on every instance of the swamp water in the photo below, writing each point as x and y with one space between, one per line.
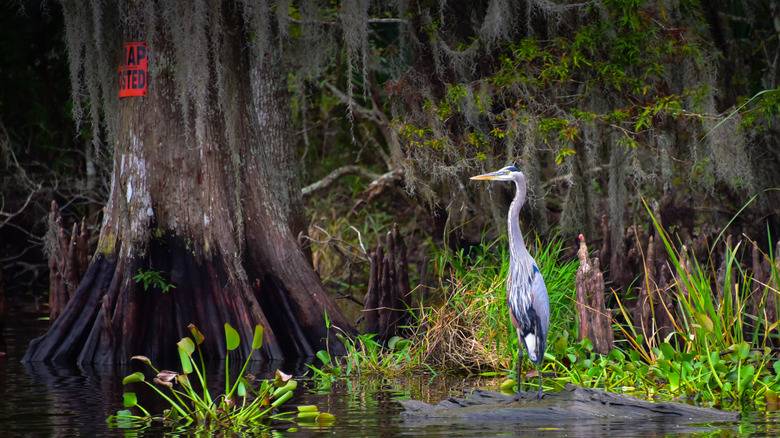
41 400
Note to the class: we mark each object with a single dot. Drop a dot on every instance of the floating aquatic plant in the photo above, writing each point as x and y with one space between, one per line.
244 404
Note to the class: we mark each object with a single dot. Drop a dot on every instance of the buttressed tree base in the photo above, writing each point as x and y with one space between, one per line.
204 190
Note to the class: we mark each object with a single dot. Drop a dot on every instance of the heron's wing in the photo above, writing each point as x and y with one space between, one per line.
541 305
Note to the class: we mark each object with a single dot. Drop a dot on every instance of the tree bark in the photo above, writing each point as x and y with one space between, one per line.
68 261
762 303
389 296
213 204
2 303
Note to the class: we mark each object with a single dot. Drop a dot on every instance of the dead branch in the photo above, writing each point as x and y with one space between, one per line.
335 175
378 187
374 115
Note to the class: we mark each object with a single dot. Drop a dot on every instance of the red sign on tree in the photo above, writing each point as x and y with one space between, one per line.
132 70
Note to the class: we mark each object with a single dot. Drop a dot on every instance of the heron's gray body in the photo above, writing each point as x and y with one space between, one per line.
526 291
529 306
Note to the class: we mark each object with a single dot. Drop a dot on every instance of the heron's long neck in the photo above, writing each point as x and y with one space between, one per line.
516 243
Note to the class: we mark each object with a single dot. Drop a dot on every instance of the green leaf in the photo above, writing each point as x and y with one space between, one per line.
587 344
308 416
704 321
747 377
744 349
196 334
184 381
241 390
287 388
674 381
324 357
257 341
393 342
132 378
130 399
617 355
402 344
667 350
508 386
231 337
325 418
286 396
307 408
187 345
561 345
184 358
122 420
186 348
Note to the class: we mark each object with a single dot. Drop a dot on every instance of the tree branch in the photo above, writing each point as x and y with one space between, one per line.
359 110
374 115
335 175
336 22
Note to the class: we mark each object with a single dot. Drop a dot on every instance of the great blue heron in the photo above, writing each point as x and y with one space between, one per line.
529 306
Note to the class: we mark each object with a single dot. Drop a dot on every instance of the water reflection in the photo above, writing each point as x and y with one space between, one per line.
44 400
571 428
51 401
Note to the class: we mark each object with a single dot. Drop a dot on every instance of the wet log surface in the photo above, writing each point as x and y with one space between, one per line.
572 408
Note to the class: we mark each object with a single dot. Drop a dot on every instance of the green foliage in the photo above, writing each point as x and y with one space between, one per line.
710 359
632 73
154 279
624 49
730 378
367 356
243 406
466 328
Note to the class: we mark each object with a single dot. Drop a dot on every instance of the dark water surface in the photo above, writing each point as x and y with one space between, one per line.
41 400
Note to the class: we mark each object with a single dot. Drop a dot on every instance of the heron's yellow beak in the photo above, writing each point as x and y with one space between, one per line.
491 175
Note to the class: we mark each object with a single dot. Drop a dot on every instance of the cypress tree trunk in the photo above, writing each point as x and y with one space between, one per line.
204 192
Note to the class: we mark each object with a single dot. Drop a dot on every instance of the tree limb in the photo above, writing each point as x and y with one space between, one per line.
335 175
371 115
376 116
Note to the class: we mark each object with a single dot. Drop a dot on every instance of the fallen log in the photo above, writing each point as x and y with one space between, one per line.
573 405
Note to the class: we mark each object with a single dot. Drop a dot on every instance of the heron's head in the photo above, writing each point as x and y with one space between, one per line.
508 173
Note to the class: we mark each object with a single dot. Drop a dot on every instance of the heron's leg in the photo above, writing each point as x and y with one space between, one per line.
519 370
539 393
